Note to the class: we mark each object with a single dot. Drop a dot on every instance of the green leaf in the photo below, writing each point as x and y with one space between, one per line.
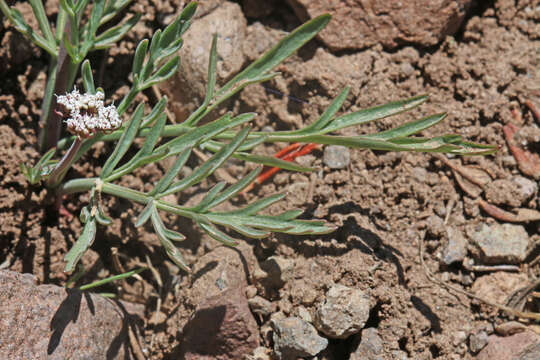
280 52
112 8
67 7
258 205
168 178
217 234
328 114
156 112
101 217
124 143
232 190
111 279
138 59
374 113
289 215
186 16
72 52
145 214
209 197
205 132
39 13
88 79
248 231
163 73
409 128
209 166
81 246
80 6
170 249
174 236
131 165
112 35
212 79
95 18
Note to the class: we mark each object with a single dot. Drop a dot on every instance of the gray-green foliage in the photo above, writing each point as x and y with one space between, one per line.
228 136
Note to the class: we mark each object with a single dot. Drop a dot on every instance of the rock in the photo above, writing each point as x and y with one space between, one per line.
521 346
510 328
221 328
513 192
478 341
456 249
496 287
260 353
261 306
294 337
343 313
221 269
278 271
336 156
369 346
188 87
500 244
360 24
52 322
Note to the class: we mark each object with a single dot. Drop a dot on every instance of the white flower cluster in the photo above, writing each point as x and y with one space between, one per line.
86 113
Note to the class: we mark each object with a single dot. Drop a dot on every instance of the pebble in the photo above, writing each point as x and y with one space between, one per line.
501 244
370 346
343 313
478 341
261 306
521 346
294 337
513 192
336 156
456 249
510 328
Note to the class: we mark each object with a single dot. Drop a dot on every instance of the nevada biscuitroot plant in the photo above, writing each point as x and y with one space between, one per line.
90 118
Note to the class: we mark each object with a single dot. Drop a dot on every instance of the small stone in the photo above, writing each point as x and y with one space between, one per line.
278 271
512 192
260 306
251 291
370 346
501 244
294 337
336 156
478 341
260 353
343 313
459 337
456 249
510 328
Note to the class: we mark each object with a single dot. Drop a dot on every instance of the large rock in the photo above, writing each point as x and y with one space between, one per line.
344 312
188 87
521 346
52 322
362 23
222 328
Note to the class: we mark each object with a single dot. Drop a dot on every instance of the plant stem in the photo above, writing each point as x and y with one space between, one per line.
64 164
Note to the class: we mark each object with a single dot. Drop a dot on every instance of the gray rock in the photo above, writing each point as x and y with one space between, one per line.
369 346
456 249
294 337
261 306
515 191
478 341
336 156
500 244
343 313
52 322
222 327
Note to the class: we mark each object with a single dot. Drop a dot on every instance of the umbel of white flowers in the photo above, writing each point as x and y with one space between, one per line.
86 114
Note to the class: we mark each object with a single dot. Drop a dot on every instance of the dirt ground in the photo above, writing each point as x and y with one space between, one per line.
383 204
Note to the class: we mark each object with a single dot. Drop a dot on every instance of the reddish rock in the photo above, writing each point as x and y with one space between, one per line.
362 23
525 345
222 328
51 322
